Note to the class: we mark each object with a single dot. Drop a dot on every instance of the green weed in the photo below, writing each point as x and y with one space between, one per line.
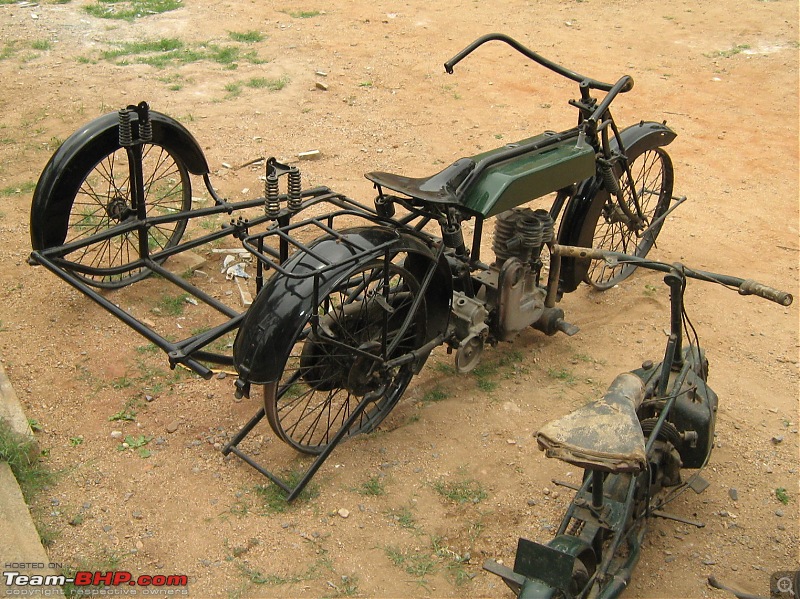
130 10
273 85
42 45
730 52
302 14
434 395
374 487
18 451
171 305
137 444
273 498
246 37
782 495
461 491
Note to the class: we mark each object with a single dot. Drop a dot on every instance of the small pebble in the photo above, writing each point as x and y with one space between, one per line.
173 426
116 434
777 439
733 494
779 513
149 398
546 491
344 513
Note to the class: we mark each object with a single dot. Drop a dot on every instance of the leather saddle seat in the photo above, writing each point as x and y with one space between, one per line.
440 188
604 435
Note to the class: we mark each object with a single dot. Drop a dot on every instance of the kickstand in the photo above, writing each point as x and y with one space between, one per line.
668 516
292 492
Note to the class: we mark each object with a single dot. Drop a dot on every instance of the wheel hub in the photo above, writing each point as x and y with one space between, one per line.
363 376
118 209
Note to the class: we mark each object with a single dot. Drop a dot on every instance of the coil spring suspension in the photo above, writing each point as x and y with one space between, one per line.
273 206
145 124
295 189
610 181
125 129
521 233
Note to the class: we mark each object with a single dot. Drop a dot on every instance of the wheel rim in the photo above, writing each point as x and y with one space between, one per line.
324 379
652 180
103 200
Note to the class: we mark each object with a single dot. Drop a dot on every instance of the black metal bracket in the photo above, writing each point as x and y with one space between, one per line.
292 492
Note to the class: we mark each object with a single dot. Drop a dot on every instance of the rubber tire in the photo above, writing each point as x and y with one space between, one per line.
651 169
99 173
321 384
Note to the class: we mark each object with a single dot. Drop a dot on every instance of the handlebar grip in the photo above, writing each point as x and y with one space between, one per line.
751 287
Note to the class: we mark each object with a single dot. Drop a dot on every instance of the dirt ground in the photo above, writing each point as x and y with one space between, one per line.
724 75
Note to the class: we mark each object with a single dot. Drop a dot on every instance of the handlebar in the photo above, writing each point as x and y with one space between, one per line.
744 286
625 86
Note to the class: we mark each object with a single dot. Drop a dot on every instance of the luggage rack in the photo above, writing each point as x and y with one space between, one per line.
272 248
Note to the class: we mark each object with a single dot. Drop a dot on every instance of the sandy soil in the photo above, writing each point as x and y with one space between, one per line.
724 75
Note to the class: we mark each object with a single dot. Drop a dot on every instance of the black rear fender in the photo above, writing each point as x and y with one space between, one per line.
64 173
282 308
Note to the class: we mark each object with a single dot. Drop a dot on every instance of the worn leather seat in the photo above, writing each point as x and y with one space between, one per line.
604 435
440 188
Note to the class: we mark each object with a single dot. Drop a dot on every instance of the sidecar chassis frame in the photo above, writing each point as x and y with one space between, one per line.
190 352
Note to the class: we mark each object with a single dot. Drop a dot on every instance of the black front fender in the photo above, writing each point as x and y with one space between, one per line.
282 308
66 169
585 206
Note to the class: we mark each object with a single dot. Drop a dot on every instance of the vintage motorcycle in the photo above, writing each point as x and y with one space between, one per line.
634 444
359 295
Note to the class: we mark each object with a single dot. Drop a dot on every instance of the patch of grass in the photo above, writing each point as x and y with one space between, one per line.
302 14
273 498
23 188
108 562
174 82
782 495
404 518
730 52
163 52
171 305
246 37
434 395
8 50
561 374
150 348
75 441
130 10
234 89
461 491
416 564
18 451
374 487
271 84
41 45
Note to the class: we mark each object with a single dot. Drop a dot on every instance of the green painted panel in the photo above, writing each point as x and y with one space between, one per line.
519 180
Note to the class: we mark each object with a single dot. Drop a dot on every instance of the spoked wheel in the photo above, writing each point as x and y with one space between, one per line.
652 179
338 359
102 200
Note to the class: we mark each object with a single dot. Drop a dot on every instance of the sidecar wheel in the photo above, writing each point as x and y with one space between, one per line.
93 184
328 369
653 180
